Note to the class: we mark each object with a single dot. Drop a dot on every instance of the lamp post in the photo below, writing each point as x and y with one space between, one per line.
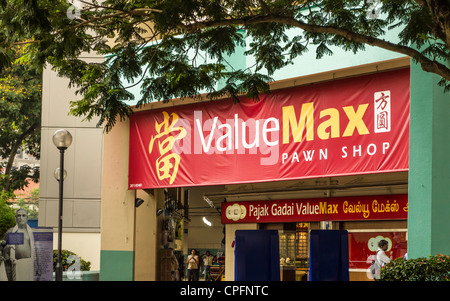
62 140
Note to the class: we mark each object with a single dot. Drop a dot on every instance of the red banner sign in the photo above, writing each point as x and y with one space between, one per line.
349 126
380 207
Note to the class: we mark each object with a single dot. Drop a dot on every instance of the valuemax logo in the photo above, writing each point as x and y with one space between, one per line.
299 124
327 129
236 135
236 212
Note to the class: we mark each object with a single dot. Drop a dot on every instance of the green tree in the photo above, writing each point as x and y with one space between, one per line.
177 48
66 261
20 118
7 214
30 204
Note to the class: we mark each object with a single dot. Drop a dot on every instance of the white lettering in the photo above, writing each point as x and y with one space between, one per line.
344 151
253 134
258 211
284 156
356 150
385 147
244 290
308 155
236 136
197 291
226 137
374 149
266 130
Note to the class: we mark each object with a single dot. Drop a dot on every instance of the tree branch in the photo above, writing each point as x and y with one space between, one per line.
440 12
426 63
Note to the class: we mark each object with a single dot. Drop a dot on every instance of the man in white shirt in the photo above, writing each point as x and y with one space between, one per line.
381 256
207 263
193 265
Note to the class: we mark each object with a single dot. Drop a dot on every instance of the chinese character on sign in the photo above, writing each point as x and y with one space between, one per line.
382 111
382 122
383 101
167 134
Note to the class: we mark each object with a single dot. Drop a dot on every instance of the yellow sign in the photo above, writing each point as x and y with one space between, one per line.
168 162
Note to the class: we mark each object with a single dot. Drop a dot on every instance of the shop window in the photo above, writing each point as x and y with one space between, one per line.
294 252
287 249
302 245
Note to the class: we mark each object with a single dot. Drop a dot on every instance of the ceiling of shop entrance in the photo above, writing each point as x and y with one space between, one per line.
371 184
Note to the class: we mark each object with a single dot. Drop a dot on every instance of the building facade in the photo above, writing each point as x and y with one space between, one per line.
83 164
134 239
421 182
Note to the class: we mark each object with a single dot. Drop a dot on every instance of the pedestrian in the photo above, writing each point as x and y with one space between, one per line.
193 265
207 263
381 258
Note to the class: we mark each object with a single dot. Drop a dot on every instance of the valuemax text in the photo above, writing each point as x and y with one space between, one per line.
364 209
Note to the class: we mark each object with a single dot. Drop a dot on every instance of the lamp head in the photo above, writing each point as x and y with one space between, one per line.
57 174
62 139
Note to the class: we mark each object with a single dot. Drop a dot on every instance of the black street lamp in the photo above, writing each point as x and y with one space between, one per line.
62 140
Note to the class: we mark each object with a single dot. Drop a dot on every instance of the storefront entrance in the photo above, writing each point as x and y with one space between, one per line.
362 245
325 154
375 207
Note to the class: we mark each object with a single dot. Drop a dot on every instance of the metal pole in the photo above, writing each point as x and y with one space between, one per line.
58 275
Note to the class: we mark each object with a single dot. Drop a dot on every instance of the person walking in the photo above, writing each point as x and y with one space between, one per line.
381 258
193 265
207 263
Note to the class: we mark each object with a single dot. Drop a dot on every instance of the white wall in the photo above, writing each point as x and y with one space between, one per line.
83 163
85 245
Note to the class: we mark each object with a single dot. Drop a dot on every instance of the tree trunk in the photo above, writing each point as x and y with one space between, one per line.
13 152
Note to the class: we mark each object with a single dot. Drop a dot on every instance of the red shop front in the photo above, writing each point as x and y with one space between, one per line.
352 131
378 213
